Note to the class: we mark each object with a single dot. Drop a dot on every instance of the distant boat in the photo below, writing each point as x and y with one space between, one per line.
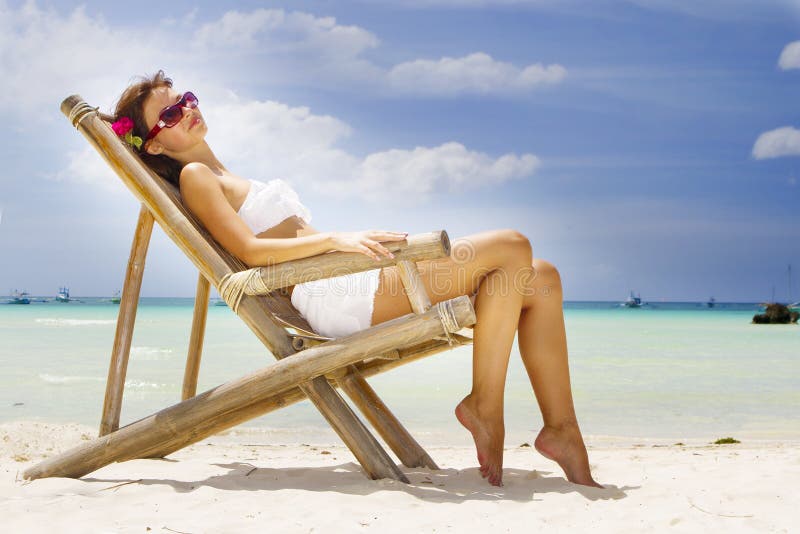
19 297
63 294
711 302
792 307
116 299
219 302
633 302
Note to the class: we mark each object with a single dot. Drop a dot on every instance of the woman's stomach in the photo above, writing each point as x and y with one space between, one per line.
290 227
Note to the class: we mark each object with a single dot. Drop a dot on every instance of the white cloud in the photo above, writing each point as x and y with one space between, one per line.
422 170
291 48
776 143
272 140
790 56
475 73
45 55
301 47
274 31
85 166
266 140
237 29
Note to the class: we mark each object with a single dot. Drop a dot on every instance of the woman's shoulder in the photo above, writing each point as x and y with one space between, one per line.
199 176
197 171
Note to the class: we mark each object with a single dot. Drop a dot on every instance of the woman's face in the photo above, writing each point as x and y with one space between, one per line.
189 132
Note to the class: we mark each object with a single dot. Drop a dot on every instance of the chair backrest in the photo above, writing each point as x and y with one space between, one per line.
163 201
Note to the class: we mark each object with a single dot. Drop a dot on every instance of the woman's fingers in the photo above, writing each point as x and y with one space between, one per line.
380 248
369 252
371 247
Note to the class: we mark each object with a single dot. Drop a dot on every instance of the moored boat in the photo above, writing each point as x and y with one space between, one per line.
633 301
20 297
63 294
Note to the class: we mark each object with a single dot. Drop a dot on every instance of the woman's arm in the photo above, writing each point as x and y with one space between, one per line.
203 195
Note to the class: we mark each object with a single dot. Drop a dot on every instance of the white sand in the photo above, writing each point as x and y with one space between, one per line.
237 484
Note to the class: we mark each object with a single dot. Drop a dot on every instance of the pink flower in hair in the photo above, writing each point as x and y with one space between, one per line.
122 126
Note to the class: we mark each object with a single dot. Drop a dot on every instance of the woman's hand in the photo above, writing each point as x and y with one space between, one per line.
366 242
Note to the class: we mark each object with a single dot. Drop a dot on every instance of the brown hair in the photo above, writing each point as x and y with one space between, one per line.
131 105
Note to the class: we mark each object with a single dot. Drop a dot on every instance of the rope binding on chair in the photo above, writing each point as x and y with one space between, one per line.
79 112
234 286
447 316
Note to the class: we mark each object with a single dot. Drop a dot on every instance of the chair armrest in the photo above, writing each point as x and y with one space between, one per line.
418 247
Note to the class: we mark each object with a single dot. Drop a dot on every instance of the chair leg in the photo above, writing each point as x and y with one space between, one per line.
369 453
375 461
112 405
196 338
384 421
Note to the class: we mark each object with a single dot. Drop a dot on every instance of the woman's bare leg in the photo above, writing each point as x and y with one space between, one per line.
497 309
481 264
543 347
486 264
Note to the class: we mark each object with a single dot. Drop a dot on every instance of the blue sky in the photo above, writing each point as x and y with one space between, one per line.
650 145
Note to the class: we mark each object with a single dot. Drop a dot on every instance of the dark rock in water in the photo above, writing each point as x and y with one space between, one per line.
776 314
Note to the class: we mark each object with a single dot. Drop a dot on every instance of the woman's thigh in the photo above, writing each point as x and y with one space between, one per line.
471 259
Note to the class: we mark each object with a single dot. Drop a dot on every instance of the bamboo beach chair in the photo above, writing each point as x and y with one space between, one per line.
309 365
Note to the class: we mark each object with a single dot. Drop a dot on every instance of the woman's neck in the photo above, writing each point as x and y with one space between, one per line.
202 154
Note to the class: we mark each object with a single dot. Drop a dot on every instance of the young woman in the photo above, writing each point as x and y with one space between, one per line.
264 224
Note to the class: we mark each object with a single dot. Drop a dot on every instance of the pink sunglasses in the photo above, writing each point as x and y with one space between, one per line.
172 115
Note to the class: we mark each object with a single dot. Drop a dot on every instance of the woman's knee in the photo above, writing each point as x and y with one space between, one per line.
544 285
546 274
516 244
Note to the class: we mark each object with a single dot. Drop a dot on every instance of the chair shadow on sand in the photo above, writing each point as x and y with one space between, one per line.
443 485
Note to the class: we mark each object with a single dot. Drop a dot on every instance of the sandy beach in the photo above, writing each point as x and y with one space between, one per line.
240 482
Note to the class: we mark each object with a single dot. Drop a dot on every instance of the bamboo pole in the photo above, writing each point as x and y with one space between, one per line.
415 288
349 427
384 421
126 318
210 412
196 338
214 262
281 400
361 393
417 247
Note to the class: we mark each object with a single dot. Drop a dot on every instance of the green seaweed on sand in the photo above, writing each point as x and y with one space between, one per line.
726 441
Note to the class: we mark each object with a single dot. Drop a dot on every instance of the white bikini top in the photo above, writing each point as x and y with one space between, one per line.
269 204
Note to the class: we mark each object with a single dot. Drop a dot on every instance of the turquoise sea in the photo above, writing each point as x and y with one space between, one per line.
676 371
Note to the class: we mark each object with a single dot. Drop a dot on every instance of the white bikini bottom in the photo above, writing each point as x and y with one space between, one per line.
339 306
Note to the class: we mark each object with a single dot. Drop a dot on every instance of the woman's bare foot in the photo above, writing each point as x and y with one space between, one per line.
488 435
564 445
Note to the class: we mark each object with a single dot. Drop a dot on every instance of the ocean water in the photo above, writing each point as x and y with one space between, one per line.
667 371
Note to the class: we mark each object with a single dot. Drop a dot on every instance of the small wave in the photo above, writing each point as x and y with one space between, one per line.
142 385
53 321
149 353
56 379
136 385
